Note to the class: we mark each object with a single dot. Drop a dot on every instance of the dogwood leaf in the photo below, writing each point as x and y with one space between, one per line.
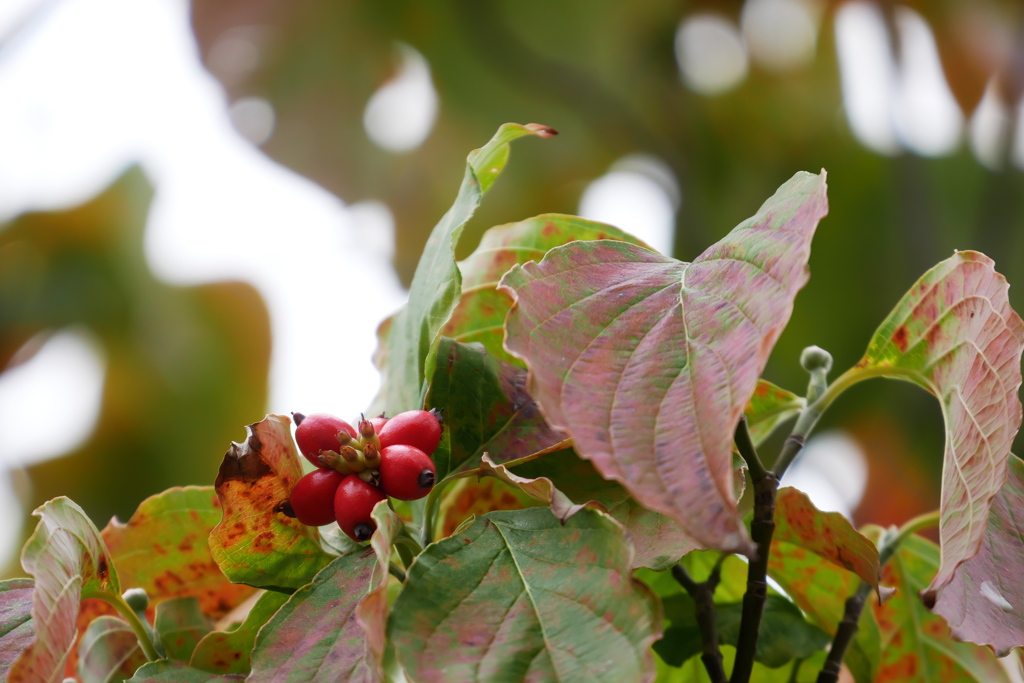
256 542
109 651
408 340
649 362
170 671
955 335
486 408
164 548
916 645
16 630
982 603
227 652
521 596
480 314
181 624
769 407
314 636
68 560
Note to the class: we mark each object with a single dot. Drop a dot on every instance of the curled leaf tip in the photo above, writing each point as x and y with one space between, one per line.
541 130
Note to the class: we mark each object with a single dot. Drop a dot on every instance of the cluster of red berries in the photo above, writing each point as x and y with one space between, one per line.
359 467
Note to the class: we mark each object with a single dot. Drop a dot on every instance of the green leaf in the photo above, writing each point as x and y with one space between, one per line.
408 340
255 543
784 635
982 602
820 589
520 596
693 670
480 314
955 335
109 651
649 362
181 624
486 409
69 562
315 635
828 535
682 638
916 645
170 671
164 548
227 652
658 542
769 407
16 632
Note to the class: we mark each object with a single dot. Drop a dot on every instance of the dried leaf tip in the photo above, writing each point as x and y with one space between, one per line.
542 130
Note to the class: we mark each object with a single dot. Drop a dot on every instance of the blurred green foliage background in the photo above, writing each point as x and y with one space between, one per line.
187 367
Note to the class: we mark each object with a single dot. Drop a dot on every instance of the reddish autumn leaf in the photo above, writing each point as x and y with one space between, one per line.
256 543
828 535
16 632
982 603
649 362
916 645
68 560
955 335
480 314
164 548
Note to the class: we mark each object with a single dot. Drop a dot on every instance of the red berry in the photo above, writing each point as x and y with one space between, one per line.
319 432
406 472
378 422
312 498
353 503
418 428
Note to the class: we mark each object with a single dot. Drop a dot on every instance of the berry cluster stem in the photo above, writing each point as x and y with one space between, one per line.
129 615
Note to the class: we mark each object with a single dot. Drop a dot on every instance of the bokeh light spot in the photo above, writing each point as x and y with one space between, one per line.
710 54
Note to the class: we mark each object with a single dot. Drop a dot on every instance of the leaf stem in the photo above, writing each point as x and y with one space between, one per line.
762 527
396 572
129 615
703 596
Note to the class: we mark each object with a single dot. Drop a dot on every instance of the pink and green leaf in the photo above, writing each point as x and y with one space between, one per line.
109 651
408 340
480 314
955 335
66 557
486 408
255 542
16 631
567 484
227 652
982 602
164 548
649 362
521 596
315 636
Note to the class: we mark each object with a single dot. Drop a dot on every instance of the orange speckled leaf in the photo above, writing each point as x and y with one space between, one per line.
469 497
955 334
164 548
820 589
649 362
826 534
983 603
480 314
68 560
255 543
227 652
916 645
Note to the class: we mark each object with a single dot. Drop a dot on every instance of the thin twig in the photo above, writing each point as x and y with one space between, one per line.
844 634
703 596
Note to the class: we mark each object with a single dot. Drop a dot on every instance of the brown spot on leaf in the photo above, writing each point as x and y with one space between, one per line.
899 338
246 467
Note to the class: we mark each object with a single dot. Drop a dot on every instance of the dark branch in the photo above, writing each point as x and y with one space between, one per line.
844 634
703 596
